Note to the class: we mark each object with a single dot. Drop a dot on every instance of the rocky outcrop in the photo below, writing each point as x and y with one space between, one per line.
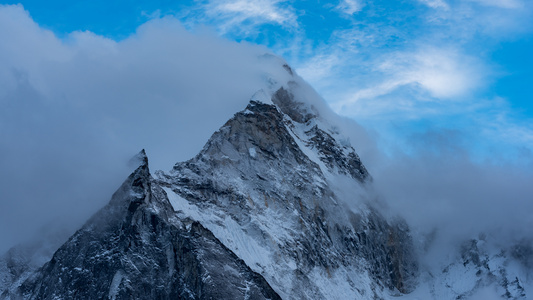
271 176
136 248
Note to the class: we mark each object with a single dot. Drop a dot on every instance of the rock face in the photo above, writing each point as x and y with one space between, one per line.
265 185
135 248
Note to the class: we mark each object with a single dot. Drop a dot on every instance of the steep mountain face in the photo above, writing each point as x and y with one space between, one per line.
265 185
136 248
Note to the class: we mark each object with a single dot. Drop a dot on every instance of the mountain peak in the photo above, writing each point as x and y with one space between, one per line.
139 160
142 155
136 189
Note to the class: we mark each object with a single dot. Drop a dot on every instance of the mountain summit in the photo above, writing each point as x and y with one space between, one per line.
263 185
258 213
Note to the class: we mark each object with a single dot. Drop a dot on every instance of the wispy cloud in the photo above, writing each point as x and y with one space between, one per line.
319 68
436 67
465 20
436 3
233 14
349 7
442 74
504 126
509 4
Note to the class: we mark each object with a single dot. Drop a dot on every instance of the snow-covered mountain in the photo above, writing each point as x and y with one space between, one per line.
264 184
479 268
276 205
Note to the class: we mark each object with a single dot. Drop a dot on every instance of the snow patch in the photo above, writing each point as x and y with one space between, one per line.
251 249
115 283
180 204
252 152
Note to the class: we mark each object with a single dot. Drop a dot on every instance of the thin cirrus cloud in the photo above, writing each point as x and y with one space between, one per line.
506 4
466 21
436 3
238 14
350 7
319 68
509 4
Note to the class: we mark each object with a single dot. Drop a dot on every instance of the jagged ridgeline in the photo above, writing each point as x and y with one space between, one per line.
258 214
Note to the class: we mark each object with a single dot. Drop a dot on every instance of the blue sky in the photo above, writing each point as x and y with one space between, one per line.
397 67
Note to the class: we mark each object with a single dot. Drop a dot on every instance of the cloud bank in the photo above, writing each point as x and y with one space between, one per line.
73 110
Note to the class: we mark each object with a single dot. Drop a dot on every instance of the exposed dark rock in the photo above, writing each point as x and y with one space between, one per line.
135 248
332 154
297 111
257 147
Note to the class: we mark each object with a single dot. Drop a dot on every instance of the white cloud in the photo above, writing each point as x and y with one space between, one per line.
349 7
501 125
467 20
436 3
73 110
235 13
442 74
320 68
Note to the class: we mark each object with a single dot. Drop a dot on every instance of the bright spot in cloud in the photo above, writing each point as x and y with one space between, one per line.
443 73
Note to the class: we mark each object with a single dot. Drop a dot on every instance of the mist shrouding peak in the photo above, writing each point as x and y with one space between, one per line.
73 109
139 160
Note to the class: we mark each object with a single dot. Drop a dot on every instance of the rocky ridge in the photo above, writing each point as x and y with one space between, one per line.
277 165
136 248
